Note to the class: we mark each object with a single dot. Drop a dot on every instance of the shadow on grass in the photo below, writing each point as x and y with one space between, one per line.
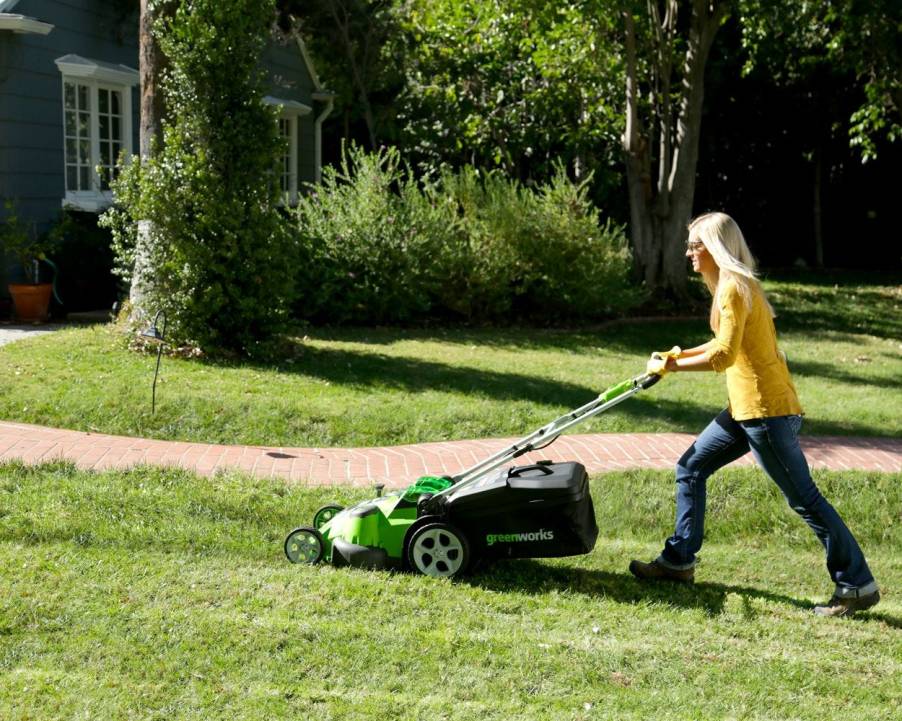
531 577
834 372
363 370
366 370
639 336
849 303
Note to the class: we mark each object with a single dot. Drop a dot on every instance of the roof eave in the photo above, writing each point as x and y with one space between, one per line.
288 106
308 61
23 25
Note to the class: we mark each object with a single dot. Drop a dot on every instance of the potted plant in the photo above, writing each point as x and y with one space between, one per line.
31 297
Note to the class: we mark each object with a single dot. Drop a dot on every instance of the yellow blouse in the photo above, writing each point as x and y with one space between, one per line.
745 348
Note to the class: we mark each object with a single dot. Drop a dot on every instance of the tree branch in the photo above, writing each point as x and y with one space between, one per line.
343 25
664 34
631 133
707 16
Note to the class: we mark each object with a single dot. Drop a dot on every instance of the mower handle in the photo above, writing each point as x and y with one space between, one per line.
548 434
648 380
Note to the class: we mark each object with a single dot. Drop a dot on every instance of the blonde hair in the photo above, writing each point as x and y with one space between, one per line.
721 236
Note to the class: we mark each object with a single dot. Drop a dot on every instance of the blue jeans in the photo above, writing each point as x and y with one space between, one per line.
775 445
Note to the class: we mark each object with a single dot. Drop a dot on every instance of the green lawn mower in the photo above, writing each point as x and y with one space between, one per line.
441 524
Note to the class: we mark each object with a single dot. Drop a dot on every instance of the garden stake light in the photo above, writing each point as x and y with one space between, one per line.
157 334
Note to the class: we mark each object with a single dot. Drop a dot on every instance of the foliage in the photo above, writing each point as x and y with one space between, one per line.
535 253
860 37
379 247
22 241
518 86
121 219
219 258
348 38
363 257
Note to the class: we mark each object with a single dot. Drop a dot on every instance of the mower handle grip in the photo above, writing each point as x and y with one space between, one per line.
648 380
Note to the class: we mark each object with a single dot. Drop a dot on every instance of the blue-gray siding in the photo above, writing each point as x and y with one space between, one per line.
31 115
291 80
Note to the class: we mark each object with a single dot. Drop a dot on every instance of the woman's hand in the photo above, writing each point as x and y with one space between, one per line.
662 361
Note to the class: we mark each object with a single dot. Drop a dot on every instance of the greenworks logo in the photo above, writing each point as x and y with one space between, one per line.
540 535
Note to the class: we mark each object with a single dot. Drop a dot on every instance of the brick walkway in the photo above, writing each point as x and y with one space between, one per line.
399 465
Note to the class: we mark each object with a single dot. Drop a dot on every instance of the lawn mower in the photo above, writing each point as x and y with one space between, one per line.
441 524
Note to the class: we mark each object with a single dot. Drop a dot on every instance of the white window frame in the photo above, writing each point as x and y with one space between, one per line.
289 189
290 111
95 76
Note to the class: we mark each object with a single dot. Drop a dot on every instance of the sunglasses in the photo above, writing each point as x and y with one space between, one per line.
695 246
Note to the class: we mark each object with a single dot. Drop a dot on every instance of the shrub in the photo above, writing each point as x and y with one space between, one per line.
538 254
219 261
379 247
362 257
23 245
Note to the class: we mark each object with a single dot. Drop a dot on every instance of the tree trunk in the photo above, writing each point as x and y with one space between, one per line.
661 189
646 252
150 69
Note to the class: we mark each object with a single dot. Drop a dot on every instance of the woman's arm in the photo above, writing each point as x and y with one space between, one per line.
698 350
693 359
719 352
696 362
678 359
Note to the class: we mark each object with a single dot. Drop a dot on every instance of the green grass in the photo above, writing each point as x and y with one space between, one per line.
363 387
156 594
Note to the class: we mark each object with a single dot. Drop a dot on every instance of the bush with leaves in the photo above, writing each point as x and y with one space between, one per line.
380 247
516 86
220 258
362 257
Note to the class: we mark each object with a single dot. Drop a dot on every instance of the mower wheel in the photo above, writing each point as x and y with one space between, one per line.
439 550
325 514
304 545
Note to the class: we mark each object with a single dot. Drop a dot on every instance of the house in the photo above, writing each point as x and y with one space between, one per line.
69 103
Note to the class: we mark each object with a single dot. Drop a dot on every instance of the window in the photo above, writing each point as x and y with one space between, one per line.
86 127
290 112
288 180
97 126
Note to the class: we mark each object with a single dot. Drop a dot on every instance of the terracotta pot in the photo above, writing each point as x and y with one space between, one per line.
30 302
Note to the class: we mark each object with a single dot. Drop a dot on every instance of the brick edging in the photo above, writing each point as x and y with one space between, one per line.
399 465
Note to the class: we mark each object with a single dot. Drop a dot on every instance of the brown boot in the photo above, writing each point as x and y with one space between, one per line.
847 606
655 571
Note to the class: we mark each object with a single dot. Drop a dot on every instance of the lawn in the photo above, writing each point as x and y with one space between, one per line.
378 386
155 594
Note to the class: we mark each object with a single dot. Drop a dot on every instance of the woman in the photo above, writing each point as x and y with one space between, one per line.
763 416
